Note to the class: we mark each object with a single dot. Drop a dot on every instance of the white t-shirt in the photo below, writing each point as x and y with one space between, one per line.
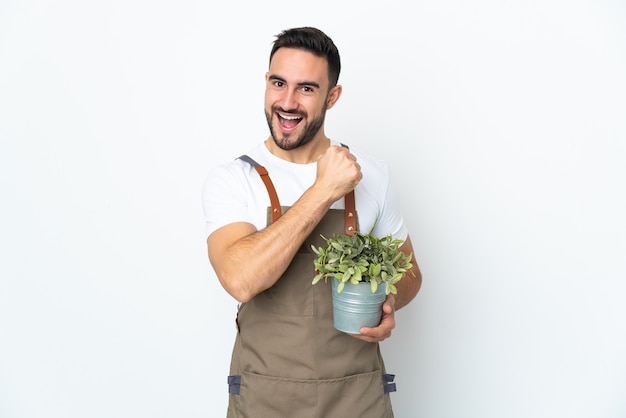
234 192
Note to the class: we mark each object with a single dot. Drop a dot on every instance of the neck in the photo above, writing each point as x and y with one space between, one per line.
306 154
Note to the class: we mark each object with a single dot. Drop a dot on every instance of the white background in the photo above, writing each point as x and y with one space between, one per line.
504 123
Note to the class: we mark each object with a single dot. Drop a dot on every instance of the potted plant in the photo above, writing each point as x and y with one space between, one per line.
364 269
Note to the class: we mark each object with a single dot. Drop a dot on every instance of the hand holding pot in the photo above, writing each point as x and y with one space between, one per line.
387 324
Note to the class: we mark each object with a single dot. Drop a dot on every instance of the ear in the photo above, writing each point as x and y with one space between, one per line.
333 96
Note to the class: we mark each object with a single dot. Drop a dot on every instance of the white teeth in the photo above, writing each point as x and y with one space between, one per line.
290 117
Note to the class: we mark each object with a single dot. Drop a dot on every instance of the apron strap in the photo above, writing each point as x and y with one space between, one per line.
350 211
234 384
388 384
276 210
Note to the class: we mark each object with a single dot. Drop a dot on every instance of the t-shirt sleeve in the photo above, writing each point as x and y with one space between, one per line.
390 220
224 198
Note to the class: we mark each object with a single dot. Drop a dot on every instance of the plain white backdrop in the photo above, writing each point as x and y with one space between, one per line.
504 123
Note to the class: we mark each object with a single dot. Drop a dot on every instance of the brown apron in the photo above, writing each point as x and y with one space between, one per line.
288 360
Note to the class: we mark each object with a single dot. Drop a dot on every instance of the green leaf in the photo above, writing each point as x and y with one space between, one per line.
395 279
375 269
362 257
317 278
340 287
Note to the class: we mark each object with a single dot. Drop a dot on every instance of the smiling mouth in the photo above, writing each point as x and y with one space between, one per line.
288 122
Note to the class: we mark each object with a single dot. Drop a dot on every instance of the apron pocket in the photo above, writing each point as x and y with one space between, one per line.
361 395
265 396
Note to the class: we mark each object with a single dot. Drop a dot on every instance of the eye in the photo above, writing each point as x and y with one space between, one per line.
307 89
278 83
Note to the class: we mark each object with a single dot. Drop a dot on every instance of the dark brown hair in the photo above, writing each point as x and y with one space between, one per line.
314 41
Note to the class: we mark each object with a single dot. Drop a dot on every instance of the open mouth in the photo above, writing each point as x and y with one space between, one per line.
288 122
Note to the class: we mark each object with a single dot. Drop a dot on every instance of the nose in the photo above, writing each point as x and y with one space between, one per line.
287 100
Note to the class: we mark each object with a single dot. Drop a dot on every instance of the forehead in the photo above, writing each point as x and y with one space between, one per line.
297 65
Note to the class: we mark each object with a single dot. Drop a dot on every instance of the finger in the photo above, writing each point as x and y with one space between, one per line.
383 331
372 338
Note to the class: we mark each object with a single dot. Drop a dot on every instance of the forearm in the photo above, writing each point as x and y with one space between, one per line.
411 283
254 262
407 289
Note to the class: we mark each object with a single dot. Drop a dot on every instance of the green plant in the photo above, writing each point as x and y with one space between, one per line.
362 258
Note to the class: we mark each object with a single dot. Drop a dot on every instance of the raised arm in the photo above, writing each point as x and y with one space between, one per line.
248 261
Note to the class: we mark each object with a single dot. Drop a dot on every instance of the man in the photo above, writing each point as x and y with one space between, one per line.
288 360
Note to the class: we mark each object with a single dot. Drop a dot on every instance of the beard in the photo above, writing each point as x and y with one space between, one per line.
310 130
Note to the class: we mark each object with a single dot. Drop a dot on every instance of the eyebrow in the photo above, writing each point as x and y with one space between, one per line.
301 84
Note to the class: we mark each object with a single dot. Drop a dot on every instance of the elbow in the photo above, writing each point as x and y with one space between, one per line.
243 284
241 297
233 280
418 280
237 288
